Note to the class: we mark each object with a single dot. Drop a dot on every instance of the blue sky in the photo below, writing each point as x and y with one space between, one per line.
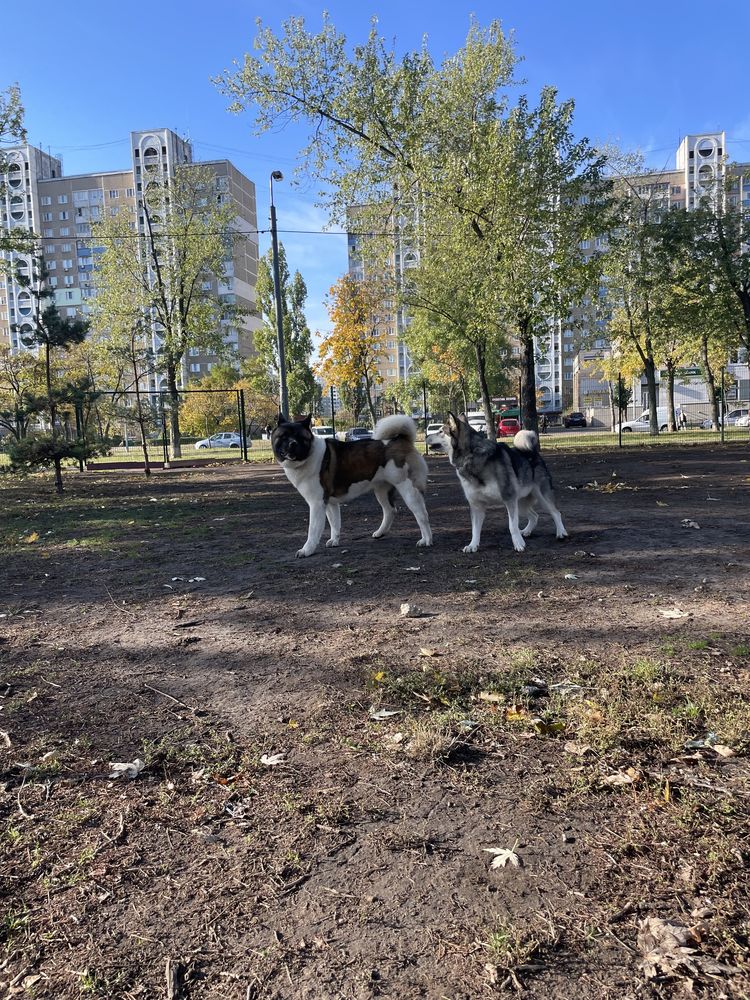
640 75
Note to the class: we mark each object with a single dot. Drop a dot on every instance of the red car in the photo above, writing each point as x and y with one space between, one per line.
508 427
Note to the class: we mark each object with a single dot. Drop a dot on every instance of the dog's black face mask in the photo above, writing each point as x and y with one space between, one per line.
292 440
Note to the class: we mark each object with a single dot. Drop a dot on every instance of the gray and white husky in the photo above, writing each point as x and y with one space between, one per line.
328 473
492 474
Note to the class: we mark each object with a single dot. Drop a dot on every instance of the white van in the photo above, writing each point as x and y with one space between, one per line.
477 422
642 424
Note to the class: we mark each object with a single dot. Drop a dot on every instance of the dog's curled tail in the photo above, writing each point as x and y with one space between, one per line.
392 427
526 441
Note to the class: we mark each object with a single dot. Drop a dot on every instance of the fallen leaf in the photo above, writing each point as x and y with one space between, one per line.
570 576
660 503
723 751
504 856
33 537
381 714
578 749
271 760
547 728
687 523
628 777
491 697
412 569
426 651
672 613
130 770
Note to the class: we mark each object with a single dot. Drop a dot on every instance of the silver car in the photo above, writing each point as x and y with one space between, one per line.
226 439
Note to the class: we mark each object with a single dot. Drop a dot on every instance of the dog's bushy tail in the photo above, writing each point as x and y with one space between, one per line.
527 441
392 427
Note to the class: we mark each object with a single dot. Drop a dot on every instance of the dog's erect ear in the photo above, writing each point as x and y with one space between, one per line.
306 421
281 419
452 422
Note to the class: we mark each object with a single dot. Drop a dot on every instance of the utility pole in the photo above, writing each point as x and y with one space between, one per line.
277 175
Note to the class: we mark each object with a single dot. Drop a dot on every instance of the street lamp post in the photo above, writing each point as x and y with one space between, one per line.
277 175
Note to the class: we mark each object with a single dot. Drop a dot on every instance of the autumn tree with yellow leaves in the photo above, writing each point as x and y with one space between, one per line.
349 355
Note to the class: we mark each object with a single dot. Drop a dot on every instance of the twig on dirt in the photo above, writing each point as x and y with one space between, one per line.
120 831
173 975
291 886
192 624
171 698
51 683
20 807
625 947
118 607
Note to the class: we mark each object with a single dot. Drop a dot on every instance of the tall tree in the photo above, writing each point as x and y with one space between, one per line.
51 334
349 355
298 346
172 272
425 140
723 249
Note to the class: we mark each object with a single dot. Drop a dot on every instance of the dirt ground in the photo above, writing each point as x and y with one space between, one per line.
582 708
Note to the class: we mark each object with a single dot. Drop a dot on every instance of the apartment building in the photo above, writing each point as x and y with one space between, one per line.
395 364
61 210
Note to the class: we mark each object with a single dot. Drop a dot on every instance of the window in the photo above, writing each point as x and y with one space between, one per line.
69 296
62 199
46 216
53 282
48 249
71 312
48 234
130 192
46 200
51 265
113 211
195 368
64 231
67 264
64 216
65 248
80 197
114 194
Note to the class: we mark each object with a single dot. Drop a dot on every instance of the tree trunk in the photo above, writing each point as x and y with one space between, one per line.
370 403
141 421
174 412
479 353
650 369
711 381
52 416
529 416
671 422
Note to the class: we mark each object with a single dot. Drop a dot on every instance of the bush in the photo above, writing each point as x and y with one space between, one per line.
39 451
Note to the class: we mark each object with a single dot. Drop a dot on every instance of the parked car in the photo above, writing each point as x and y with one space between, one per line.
323 432
642 423
508 427
477 422
733 418
576 419
226 439
358 434
434 436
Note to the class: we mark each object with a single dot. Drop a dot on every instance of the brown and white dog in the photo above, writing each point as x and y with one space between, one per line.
328 473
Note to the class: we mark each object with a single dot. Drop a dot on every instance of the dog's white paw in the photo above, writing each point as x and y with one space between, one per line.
303 553
562 534
519 544
332 543
527 531
470 548
424 543
378 534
